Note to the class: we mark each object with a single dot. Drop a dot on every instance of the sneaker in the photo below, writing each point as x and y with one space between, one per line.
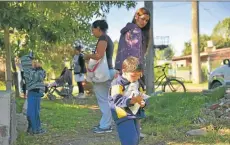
142 136
100 130
41 131
29 131
81 96
96 127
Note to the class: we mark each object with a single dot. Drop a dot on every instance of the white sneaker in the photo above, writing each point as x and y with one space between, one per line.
81 96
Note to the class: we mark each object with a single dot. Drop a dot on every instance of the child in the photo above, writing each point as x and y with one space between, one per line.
34 77
126 101
79 69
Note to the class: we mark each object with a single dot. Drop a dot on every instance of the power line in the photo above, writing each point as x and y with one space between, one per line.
209 11
222 5
171 6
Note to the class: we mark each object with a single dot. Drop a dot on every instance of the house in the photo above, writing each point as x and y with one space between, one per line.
215 55
182 65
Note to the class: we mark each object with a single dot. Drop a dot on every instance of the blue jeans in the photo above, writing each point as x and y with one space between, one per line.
129 132
33 110
101 91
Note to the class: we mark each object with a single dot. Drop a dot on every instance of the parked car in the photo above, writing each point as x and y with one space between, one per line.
220 76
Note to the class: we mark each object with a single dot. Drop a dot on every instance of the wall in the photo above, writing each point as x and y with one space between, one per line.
7 118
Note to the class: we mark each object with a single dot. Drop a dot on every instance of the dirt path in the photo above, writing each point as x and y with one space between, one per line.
90 138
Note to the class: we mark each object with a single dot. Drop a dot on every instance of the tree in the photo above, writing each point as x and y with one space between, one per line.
203 43
187 48
222 29
54 22
221 34
165 54
46 24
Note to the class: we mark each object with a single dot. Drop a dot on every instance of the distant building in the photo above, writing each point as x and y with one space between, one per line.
182 65
215 54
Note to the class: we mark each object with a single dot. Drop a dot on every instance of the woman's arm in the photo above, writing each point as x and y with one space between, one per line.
100 50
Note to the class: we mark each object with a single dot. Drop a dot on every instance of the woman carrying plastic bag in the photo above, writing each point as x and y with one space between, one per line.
98 73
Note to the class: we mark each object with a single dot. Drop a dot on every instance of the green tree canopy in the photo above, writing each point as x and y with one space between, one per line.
54 22
220 36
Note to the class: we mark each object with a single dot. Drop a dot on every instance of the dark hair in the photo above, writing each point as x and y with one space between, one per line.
77 45
102 24
145 30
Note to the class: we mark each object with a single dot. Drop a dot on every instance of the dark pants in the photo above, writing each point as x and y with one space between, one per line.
23 83
80 87
33 111
129 132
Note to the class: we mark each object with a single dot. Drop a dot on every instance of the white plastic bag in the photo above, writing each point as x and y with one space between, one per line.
98 70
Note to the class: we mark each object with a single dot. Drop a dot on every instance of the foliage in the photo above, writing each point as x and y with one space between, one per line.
115 43
187 48
222 29
55 21
220 36
165 54
2 85
45 27
203 43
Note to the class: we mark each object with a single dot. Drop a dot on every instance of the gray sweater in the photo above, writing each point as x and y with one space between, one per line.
34 77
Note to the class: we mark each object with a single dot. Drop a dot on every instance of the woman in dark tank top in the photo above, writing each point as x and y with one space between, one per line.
104 44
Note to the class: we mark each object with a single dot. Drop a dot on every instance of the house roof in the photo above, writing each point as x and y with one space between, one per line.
202 54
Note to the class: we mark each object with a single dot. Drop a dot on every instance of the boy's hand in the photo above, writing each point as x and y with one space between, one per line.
137 99
133 100
142 104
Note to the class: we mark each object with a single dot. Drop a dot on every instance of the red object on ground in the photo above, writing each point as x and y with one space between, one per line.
214 106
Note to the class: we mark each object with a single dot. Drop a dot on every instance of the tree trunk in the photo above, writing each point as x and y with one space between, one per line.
149 59
8 59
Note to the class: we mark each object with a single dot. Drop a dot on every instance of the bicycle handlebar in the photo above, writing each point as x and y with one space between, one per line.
160 66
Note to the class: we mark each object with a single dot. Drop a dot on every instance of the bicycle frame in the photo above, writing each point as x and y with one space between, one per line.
161 78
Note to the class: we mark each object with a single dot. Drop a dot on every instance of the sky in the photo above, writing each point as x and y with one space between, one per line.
171 19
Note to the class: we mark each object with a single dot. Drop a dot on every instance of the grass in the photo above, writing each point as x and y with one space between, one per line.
63 122
2 86
169 117
202 85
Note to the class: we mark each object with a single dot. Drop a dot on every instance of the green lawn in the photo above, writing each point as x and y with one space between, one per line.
63 121
168 118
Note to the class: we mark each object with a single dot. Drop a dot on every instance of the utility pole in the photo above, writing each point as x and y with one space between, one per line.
196 66
149 59
8 58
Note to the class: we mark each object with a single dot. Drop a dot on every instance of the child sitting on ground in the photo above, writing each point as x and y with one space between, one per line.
127 101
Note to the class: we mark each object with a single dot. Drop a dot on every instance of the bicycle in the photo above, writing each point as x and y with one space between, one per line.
171 84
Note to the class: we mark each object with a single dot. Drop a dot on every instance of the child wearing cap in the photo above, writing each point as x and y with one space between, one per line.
79 69
127 101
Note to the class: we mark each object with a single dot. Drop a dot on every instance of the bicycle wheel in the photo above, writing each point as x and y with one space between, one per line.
174 85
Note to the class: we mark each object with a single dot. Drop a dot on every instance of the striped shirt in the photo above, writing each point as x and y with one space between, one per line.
34 77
